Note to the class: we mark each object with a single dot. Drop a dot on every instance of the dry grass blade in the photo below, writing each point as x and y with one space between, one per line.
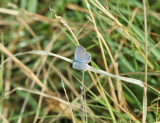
112 89
38 82
146 67
41 52
72 115
100 7
132 117
43 94
8 11
130 80
65 24
4 119
25 69
104 97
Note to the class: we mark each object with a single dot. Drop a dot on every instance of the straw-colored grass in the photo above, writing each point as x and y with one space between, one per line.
38 41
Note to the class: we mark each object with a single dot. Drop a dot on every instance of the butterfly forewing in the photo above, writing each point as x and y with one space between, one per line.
81 55
80 51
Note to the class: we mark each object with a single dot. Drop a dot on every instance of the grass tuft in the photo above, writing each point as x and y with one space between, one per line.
37 81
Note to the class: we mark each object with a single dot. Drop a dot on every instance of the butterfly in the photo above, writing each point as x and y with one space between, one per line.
82 58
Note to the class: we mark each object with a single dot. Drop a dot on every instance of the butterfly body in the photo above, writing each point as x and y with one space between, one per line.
82 58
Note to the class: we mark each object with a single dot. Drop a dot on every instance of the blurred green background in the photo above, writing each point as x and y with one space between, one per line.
27 25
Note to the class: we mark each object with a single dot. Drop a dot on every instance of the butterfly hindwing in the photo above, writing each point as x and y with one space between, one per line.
76 65
80 66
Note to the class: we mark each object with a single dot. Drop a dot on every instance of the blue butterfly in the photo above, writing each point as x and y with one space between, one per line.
82 58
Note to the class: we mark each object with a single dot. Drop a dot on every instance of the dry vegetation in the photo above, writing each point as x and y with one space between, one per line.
123 38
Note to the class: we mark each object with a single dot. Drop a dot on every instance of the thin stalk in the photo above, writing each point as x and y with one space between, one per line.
146 67
84 110
1 77
46 53
1 70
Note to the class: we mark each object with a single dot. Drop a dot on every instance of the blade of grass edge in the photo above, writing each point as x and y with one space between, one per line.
146 59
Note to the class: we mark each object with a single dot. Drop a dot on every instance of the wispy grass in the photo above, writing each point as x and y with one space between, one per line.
146 65
113 32
1 71
1 79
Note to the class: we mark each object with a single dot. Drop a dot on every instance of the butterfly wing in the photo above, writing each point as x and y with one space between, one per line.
77 66
80 66
81 55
